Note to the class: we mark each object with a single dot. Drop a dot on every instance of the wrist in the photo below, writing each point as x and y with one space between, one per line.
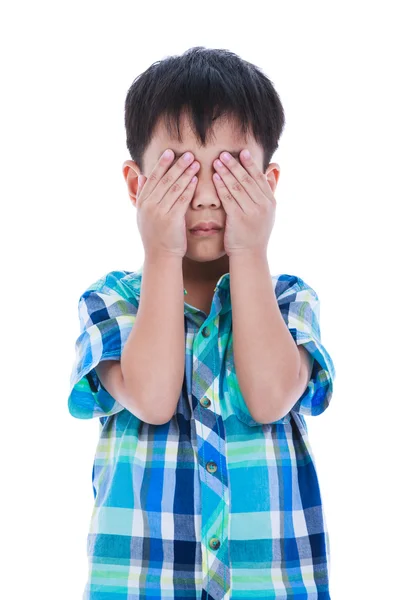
162 258
246 255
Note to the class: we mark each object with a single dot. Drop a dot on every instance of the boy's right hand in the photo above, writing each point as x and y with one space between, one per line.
162 202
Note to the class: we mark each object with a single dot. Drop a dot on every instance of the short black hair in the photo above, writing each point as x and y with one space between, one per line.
204 83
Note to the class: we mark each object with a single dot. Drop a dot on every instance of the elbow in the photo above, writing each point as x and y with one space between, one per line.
147 413
155 421
159 419
152 411
145 406
275 407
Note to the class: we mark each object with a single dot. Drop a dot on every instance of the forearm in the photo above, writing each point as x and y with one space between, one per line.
153 359
266 357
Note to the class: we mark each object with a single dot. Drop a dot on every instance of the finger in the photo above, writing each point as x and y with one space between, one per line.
229 203
163 176
139 188
235 188
175 194
180 206
151 182
249 176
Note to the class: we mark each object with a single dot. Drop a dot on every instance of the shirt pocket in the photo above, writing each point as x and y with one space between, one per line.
234 397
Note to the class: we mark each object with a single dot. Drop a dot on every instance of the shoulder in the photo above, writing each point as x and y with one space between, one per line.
117 282
288 286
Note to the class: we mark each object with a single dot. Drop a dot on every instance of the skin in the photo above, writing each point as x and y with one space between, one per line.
205 260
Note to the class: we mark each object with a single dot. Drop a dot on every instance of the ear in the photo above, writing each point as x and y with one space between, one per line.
131 172
272 174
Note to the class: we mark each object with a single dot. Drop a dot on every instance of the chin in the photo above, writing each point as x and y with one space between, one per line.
204 256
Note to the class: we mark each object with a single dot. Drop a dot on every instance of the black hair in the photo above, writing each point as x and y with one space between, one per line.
205 84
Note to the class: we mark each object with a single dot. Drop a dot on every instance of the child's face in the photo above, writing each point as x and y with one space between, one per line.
205 204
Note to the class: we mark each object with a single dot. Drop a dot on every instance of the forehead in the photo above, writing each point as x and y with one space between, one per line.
225 135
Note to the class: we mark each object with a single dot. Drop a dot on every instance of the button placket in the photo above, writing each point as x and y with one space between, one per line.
214 543
205 402
211 466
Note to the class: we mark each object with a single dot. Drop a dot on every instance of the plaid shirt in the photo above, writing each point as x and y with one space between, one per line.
211 505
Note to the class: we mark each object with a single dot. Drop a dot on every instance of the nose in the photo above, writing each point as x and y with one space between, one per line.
205 193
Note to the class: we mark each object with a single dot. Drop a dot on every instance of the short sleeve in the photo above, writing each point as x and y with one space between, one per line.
106 317
300 307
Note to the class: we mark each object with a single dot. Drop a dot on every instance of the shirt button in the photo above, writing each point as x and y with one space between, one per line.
206 332
214 543
211 466
205 402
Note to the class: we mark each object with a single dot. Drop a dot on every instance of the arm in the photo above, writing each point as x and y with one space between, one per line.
153 358
272 371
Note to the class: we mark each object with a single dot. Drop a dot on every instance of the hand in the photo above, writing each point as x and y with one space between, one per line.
162 205
249 205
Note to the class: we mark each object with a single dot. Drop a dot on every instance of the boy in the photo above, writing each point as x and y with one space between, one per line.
204 480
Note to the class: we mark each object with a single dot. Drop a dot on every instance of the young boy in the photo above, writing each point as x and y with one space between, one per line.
202 365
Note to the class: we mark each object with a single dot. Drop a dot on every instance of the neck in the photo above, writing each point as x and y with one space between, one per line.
209 271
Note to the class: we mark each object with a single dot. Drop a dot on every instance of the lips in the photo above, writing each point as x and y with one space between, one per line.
207 226
205 232
206 229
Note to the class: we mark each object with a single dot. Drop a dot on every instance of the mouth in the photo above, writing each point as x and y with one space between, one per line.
202 232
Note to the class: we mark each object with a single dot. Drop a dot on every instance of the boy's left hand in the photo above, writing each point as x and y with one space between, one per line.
249 205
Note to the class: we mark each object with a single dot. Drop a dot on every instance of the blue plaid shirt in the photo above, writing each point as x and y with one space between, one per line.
211 505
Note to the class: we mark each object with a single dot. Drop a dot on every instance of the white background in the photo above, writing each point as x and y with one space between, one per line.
67 220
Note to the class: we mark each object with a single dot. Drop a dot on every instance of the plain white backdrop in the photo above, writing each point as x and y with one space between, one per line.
67 220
